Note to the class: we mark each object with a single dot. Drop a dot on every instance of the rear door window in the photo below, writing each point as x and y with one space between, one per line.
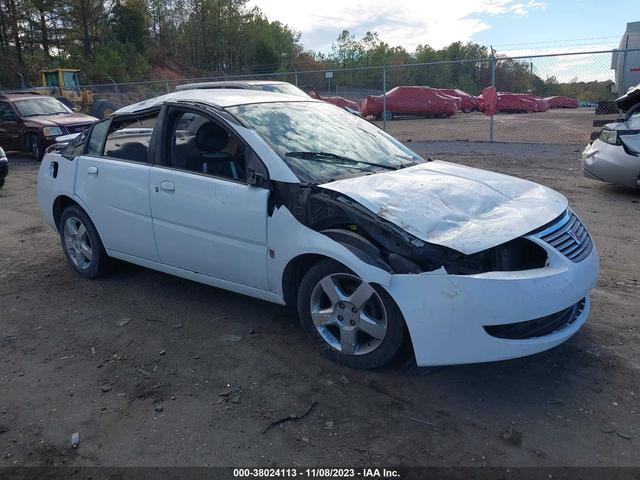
129 139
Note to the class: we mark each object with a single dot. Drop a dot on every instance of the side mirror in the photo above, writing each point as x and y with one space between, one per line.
256 179
10 117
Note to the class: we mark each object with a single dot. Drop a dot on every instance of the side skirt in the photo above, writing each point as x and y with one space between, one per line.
200 278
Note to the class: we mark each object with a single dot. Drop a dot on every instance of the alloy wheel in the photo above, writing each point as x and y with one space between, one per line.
77 243
35 149
348 314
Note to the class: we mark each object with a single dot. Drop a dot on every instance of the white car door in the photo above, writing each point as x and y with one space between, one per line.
112 181
206 217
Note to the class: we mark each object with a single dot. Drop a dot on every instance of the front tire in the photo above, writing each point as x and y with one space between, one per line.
81 243
37 148
349 320
102 109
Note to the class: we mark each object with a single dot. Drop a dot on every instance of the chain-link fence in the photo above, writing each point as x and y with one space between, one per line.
541 98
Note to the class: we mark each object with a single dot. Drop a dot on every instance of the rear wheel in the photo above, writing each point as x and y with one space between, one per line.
349 320
81 243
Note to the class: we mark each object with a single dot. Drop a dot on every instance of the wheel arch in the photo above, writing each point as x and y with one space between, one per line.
361 261
61 203
293 273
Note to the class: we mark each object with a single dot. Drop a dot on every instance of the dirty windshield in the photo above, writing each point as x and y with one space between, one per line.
40 106
321 142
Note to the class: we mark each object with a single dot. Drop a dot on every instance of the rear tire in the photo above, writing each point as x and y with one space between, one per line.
81 243
356 324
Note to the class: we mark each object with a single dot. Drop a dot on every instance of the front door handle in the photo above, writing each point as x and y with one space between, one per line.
92 170
168 186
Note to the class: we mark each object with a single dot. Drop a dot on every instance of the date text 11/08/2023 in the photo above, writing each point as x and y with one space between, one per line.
293 472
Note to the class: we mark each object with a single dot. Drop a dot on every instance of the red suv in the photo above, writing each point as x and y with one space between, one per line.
31 122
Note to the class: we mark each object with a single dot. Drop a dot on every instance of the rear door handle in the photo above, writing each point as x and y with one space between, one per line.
92 170
168 186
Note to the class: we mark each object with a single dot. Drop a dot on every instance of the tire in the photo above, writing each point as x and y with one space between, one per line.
66 102
88 264
102 109
1 182
36 146
342 335
632 111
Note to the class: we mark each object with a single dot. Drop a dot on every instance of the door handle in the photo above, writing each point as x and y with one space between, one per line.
168 186
92 170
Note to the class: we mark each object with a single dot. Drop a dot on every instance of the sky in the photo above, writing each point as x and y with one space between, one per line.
513 27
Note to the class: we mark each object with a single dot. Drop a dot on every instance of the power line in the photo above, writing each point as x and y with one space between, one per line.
550 42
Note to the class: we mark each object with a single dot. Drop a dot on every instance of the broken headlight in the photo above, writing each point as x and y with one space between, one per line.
609 136
512 256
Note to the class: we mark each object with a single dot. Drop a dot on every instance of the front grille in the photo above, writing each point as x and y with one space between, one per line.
540 326
78 128
568 235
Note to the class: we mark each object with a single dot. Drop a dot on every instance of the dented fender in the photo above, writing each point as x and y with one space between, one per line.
282 226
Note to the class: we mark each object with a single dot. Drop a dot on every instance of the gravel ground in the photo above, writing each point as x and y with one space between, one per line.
558 126
155 370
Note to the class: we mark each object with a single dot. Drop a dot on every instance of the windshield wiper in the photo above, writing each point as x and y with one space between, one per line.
321 155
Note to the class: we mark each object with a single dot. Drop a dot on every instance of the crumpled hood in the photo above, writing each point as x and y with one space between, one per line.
459 207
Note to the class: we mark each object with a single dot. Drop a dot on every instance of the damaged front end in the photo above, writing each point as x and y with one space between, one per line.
385 245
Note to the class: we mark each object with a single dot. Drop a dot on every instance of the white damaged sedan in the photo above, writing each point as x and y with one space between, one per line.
297 202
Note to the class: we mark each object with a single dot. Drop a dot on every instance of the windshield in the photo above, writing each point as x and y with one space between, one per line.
283 88
321 142
40 106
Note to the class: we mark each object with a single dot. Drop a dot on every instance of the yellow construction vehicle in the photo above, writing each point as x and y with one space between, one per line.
63 84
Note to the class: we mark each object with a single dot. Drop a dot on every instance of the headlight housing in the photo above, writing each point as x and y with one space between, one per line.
51 131
609 136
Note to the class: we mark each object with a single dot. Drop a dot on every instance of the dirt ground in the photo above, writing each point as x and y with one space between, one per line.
558 126
155 370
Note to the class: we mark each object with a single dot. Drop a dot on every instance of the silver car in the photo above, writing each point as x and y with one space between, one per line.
4 166
614 156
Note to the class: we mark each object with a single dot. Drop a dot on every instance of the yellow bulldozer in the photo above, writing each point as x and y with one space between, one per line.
63 84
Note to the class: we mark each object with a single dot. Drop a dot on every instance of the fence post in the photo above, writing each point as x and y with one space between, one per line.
166 83
384 99
493 84
115 89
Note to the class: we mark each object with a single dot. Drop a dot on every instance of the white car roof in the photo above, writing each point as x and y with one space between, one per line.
216 97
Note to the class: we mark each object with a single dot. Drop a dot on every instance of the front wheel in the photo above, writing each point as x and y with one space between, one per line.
37 147
349 320
81 243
